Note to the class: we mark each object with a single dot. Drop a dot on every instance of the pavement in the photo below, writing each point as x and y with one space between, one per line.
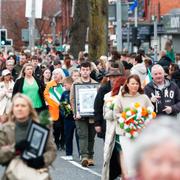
68 170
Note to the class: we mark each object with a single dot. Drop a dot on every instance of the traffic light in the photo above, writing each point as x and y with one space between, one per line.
134 34
135 37
3 38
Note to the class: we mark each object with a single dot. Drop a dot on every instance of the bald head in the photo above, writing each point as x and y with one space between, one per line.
157 72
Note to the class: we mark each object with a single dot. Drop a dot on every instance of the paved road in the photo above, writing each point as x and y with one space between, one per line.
68 170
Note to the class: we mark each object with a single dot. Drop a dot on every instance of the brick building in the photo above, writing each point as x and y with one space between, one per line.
13 19
66 19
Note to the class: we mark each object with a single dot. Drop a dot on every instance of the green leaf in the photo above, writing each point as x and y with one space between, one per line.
44 118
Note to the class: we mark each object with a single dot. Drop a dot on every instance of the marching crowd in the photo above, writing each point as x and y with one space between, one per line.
31 84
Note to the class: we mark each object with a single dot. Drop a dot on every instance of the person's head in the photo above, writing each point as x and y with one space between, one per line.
115 55
46 74
57 64
157 151
27 70
22 59
119 81
2 64
10 64
103 59
67 82
58 75
162 54
101 64
67 62
168 45
158 73
6 75
148 62
173 68
34 60
85 69
113 74
138 59
81 54
75 75
22 109
132 85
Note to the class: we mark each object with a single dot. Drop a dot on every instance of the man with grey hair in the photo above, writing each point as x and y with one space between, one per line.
164 94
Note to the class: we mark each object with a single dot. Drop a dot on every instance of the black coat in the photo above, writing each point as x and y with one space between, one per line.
18 87
165 61
176 78
169 96
98 108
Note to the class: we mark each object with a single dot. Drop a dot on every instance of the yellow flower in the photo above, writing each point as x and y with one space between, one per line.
137 105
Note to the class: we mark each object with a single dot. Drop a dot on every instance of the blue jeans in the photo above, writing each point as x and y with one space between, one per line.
69 127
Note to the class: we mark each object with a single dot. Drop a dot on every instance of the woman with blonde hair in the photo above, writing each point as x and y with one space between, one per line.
13 135
30 86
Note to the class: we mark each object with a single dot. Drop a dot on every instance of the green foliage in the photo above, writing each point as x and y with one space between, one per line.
44 118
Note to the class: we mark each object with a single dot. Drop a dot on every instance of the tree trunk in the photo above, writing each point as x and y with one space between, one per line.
78 30
98 29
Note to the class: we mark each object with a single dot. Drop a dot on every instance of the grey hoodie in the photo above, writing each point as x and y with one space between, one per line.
140 70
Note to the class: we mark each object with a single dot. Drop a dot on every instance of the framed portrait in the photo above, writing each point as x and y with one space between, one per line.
37 138
84 96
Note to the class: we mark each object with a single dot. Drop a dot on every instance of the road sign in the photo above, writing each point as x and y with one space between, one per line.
38 8
25 35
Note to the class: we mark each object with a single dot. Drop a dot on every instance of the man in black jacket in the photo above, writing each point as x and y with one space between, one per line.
164 94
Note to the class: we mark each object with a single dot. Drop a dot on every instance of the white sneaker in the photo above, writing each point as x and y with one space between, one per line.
68 158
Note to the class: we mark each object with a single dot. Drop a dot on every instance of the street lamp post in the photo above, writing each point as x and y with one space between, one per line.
32 28
119 25
155 39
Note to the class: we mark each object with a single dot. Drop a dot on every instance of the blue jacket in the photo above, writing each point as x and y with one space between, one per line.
66 98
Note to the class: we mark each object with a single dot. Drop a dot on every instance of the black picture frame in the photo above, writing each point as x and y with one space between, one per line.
84 96
37 138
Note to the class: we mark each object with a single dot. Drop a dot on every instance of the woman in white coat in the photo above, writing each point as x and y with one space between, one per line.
110 159
6 87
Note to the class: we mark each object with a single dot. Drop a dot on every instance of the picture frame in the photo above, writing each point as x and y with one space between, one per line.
37 138
84 96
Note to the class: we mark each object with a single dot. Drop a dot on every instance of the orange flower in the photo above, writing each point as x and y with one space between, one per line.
130 121
123 114
144 111
153 115
132 132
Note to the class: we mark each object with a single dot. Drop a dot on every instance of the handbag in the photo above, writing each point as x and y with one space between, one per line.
18 170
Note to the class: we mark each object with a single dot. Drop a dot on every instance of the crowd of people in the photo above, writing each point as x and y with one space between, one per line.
31 84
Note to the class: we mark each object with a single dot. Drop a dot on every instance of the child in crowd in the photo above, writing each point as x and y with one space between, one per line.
75 74
67 115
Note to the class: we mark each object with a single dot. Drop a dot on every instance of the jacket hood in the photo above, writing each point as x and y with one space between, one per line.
153 85
141 68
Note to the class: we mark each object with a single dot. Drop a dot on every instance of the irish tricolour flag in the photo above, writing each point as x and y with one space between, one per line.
148 78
